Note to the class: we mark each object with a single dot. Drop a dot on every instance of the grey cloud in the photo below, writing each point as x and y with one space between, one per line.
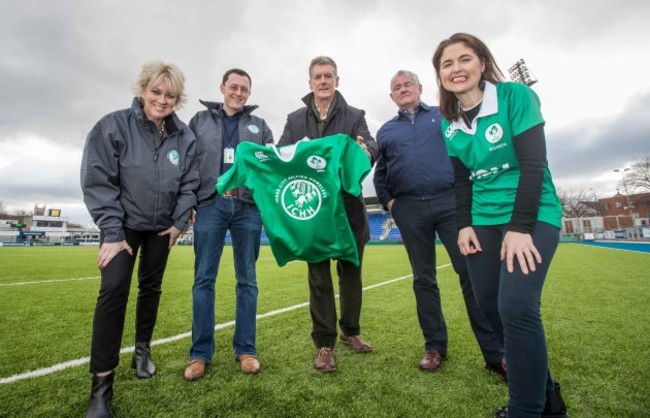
66 63
593 147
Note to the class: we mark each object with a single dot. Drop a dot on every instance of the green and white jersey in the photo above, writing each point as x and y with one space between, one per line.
298 191
487 150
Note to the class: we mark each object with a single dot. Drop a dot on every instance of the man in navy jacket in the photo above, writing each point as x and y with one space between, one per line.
414 180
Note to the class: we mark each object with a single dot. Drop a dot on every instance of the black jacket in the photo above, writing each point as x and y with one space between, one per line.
344 119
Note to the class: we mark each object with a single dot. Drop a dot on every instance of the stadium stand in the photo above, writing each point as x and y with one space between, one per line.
383 228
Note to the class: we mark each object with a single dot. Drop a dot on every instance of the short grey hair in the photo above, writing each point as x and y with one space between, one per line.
409 74
323 60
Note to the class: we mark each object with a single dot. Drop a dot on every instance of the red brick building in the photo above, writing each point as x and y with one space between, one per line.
636 206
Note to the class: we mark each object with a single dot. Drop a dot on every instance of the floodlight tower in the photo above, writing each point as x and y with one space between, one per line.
627 196
595 202
519 72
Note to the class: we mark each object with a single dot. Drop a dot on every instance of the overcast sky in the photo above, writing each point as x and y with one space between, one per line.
65 64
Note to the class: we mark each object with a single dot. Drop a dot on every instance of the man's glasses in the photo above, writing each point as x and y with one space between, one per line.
406 85
235 88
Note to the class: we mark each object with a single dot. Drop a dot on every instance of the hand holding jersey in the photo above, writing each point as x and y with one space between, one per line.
364 147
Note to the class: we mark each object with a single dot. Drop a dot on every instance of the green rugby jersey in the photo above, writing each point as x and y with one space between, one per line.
488 151
298 191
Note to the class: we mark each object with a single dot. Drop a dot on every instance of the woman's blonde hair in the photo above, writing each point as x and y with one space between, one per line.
154 72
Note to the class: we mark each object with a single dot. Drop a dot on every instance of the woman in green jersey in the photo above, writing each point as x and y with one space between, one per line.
508 211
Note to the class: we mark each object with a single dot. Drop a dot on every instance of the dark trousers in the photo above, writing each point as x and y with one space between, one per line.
418 222
322 305
110 311
512 304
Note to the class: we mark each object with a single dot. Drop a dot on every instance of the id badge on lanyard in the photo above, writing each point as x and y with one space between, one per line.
229 155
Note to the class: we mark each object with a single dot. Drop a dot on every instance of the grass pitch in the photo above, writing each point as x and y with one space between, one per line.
595 310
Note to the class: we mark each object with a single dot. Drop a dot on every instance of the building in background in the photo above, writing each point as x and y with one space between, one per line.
616 217
44 227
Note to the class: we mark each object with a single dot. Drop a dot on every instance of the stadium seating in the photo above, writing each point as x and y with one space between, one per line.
383 228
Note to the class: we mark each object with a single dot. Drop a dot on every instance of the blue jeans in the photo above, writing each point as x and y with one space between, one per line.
512 304
213 220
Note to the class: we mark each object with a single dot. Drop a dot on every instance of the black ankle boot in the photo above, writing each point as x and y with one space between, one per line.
142 363
101 396
554 406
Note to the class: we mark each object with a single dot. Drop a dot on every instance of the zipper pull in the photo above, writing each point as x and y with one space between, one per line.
155 157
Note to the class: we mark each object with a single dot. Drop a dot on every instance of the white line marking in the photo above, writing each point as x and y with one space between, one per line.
127 350
41 255
50 281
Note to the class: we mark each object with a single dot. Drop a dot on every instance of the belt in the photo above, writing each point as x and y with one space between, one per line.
231 193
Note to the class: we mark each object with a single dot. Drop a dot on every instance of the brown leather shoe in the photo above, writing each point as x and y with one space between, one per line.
499 368
195 370
249 364
325 360
356 343
432 360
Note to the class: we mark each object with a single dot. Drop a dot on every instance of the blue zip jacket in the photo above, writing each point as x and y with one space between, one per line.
413 163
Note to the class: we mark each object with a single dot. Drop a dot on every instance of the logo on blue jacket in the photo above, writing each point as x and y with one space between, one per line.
173 157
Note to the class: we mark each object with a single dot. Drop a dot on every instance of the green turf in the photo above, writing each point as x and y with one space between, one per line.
595 309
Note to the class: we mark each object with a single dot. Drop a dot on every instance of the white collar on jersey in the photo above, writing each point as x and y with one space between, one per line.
286 152
489 106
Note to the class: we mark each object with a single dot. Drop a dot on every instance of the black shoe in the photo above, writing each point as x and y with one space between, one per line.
554 406
142 363
501 412
499 368
101 395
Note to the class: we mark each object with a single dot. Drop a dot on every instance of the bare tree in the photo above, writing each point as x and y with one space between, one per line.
577 203
638 177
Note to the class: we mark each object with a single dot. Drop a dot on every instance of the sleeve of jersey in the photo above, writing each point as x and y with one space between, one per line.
531 153
355 166
523 108
235 176
444 126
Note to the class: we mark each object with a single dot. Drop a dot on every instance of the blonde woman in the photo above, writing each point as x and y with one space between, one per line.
138 177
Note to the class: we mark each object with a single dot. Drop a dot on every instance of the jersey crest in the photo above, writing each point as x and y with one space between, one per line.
494 133
301 198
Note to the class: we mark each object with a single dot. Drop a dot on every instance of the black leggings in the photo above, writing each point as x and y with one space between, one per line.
511 302
110 311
